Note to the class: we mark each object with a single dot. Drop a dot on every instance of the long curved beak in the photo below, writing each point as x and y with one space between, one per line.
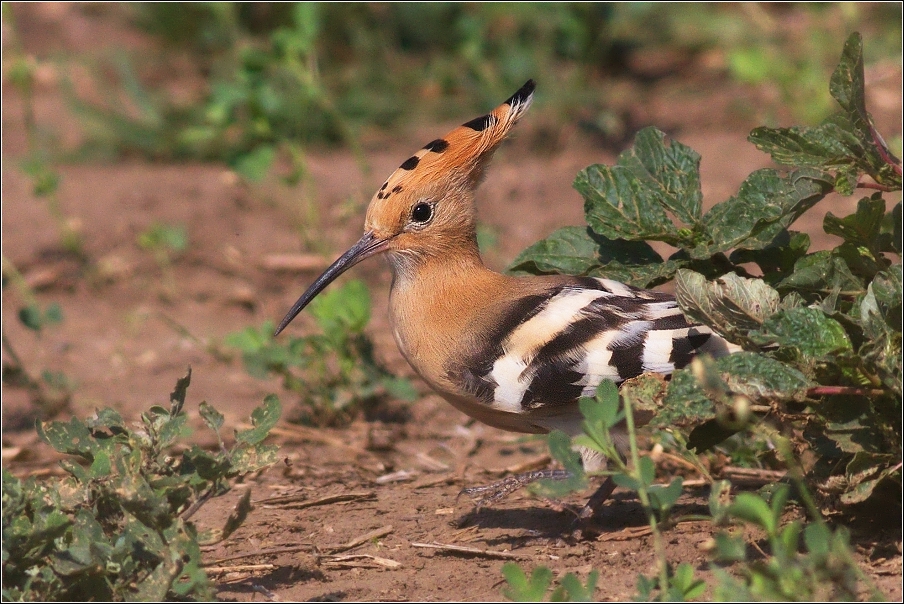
366 247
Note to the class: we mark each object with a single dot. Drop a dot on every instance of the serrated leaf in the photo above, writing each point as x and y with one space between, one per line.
809 330
822 272
766 204
846 143
670 173
861 228
617 205
263 418
762 378
579 251
731 305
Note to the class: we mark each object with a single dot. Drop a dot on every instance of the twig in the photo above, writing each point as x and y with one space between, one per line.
374 534
753 475
241 568
876 186
470 551
348 561
291 549
341 497
852 390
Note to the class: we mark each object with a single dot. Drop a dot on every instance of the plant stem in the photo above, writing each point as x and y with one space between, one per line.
661 561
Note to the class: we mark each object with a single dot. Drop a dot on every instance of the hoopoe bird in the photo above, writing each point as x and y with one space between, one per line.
513 352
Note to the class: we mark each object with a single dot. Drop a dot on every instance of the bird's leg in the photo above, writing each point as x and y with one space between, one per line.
492 493
598 498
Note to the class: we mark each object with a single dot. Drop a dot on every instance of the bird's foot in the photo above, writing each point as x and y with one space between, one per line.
497 491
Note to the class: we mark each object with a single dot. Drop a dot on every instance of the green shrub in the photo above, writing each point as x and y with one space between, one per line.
334 371
118 526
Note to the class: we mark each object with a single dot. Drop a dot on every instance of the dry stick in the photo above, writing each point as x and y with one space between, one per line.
342 497
374 534
264 552
241 568
471 551
753 474
348 561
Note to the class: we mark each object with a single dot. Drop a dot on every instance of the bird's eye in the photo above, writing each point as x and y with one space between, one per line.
422 213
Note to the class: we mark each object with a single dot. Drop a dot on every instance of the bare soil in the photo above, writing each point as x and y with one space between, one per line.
125 340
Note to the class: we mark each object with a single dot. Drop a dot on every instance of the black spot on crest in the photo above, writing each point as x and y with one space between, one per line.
410 163
396 189
437 146
481 123
385 184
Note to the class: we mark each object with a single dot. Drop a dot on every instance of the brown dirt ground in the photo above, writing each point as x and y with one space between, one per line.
124 343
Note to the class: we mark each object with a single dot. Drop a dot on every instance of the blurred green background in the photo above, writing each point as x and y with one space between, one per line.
246 83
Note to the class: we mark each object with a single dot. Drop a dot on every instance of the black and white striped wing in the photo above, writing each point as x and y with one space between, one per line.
557 347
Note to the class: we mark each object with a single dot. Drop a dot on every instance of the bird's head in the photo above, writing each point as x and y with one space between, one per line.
426 207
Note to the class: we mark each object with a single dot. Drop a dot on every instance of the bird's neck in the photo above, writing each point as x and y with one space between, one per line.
436 301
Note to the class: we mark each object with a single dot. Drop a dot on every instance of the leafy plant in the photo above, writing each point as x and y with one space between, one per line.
38 164
821 333
522 588
824 571
334 371
118 527
165 242
822 330
51 391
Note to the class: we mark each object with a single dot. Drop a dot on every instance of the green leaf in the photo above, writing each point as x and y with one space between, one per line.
560 449
864 473
861 228
670 173
580 251
31 317
731 305
251 458
343 311
809 330
617 205
524 589
762 378
777 259
663 498
213 418
822 272
73 438
571 589
263 418
255 164
753 509
766 204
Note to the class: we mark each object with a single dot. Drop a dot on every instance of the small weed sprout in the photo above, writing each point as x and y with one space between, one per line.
334 371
